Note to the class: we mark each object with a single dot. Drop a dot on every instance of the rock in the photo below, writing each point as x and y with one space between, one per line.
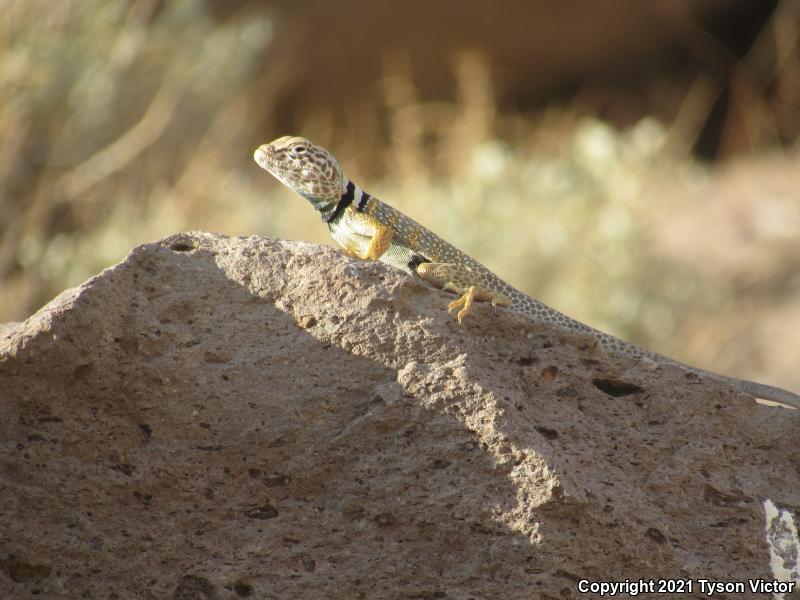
222 417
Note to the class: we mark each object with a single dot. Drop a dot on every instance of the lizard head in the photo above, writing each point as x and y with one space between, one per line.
308 169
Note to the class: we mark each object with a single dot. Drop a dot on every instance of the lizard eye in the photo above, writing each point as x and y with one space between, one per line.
298 150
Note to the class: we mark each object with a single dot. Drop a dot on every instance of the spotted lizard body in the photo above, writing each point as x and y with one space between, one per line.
372 230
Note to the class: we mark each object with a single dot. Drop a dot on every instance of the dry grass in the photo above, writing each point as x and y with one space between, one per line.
124 123
115 123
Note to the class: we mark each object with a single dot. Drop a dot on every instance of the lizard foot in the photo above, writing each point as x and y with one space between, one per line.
465 301
455 278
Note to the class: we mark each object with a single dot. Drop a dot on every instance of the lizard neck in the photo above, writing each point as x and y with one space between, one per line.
331 211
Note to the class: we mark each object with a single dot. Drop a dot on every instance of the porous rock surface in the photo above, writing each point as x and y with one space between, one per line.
221 417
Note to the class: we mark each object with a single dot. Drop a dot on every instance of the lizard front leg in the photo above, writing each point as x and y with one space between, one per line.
363 226
380 242
461 280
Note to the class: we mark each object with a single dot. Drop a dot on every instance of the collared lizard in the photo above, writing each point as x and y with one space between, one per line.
372 230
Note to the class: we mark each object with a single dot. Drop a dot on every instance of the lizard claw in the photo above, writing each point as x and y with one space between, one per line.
465 301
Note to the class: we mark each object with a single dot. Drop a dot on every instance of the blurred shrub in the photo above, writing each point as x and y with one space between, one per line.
124 122
112 115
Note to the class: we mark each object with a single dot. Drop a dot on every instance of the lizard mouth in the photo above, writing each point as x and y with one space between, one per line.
262 156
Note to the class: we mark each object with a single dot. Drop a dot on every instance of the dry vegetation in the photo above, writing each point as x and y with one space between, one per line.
124 122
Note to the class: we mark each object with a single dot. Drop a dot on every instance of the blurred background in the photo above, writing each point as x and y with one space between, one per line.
634 163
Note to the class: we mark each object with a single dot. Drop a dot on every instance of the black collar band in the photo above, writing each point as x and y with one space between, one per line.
346 200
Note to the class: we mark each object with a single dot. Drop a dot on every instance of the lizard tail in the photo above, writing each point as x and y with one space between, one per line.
768 392
620 347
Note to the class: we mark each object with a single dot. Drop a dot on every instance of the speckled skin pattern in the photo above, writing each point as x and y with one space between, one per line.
372 230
